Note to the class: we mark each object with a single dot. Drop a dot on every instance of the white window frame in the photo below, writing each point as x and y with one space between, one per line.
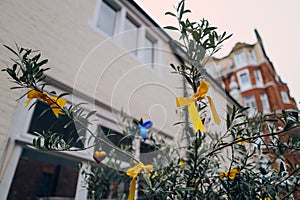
128 33
258 77
153 49
284 96
94 21
240 59
250 101
265 103
244 86
118 39
18 137
157 66
252 57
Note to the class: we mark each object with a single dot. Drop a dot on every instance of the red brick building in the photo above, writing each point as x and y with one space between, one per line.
250 77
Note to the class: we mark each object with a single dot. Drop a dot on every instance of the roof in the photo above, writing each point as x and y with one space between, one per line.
178 51
236 47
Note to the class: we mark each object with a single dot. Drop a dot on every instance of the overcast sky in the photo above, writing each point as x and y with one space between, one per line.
277 22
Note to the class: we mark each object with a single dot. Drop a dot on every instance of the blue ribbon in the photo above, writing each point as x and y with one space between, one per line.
144 129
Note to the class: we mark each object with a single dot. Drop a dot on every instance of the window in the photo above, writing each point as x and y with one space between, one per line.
114 18
40 175
258 77
285 97
251 103
209 70
107 18
252 58
33 174
130 41
244 79
110 187
240 59
265 103
218 69
121 140
149 51
44 119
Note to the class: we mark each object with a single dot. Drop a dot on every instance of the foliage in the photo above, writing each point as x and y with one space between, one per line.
245 161
100 180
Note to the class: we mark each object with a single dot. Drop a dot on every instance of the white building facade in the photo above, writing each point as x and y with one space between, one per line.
105 53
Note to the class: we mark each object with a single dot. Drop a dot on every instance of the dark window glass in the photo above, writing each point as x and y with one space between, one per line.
44 119
118 139
41 176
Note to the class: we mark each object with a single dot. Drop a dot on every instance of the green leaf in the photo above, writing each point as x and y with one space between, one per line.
187 11
171 28
179 5
170 13
182 10
11 50
147 179
62 95
27 53
186 189
42 62
36 58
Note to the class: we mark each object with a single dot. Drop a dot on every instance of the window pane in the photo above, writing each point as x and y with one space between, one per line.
44 119
240 59
258 77
107 18
149 51
285 97
116 139
119 140
250 102
244 78
252 57
131 35
265 103
41 175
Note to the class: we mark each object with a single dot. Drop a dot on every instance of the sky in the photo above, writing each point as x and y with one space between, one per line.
277 22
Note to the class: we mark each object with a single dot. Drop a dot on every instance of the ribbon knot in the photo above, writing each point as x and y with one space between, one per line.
52 101
193 112
134 172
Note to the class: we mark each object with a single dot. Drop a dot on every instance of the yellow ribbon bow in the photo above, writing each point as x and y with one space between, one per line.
229 174
193 112
134 172
52 100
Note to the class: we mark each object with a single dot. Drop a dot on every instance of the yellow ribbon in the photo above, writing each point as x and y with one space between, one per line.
193 112
229 174
240 141
134 172
51 100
